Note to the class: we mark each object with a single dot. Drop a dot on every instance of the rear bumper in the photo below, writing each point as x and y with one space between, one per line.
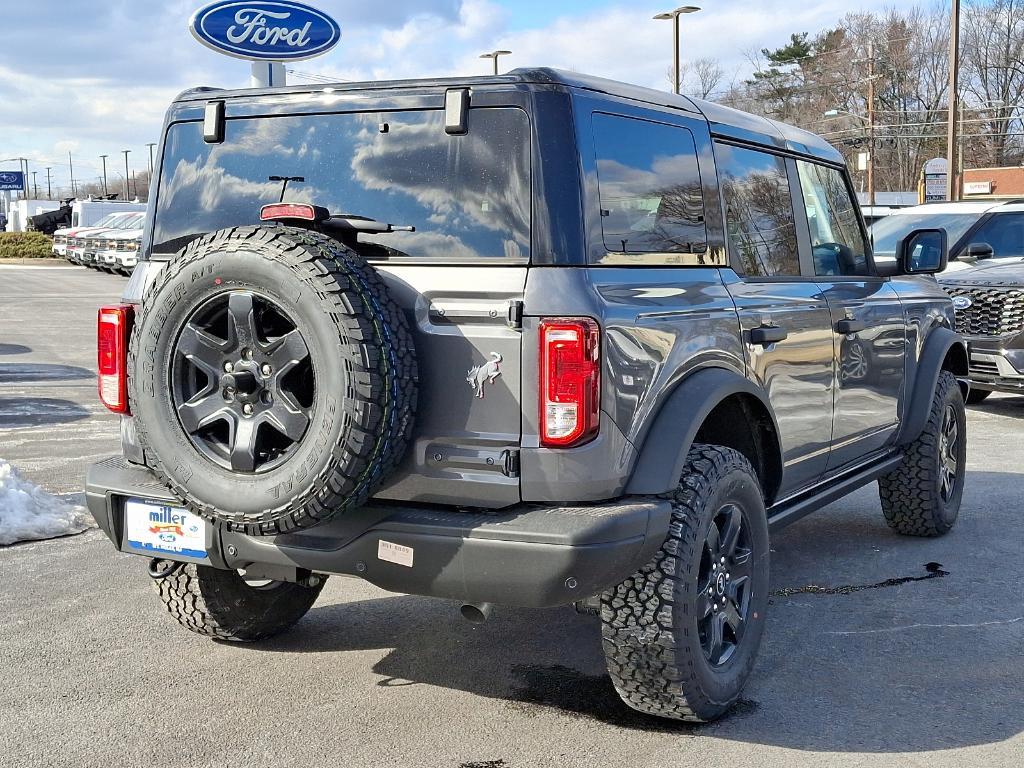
528 555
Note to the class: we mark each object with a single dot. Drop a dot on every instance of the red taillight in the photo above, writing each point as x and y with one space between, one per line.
112 329
293 211
570 380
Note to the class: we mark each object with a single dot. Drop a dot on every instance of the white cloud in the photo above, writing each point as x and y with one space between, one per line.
106 84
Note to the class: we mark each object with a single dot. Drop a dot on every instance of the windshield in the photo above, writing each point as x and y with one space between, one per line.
467 196
885 233
109 220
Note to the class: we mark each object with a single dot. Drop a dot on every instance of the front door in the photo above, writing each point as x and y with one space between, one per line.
785 318
866 317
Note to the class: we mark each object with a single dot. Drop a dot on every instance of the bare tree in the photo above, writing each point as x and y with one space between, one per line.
701 77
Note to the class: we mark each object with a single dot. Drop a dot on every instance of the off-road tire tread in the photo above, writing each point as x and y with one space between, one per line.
383 371
909 494
651 672
213 602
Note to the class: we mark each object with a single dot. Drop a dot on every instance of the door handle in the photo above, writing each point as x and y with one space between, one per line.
849 325
767 334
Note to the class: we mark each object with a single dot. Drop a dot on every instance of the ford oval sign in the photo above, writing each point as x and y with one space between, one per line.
962 302
265 30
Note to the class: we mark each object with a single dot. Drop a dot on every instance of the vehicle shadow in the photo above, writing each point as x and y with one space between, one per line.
11 373
14 349
18 412
1002 406
867 650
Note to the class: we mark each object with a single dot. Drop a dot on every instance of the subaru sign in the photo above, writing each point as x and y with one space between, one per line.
265 30
12 180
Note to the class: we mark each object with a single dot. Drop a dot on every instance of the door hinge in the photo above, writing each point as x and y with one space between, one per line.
514 316
510 463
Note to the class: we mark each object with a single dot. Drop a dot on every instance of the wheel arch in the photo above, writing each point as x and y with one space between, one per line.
715 406
944 350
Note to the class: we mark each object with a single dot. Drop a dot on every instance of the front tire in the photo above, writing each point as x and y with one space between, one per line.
222 605
681 636
922 497
976 396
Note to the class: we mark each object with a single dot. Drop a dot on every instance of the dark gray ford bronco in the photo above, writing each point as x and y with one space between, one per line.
531 340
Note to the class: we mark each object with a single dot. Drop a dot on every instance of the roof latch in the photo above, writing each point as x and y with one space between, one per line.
456 111
213 122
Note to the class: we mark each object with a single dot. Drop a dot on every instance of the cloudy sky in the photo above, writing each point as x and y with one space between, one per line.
95 78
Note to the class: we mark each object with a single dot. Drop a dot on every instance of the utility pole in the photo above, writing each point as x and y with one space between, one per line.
127 192
673 16
871 123
151 145
952 189
49 194
35 186
135 184
71 168
104 159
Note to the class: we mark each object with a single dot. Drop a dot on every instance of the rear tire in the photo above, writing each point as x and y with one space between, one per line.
922 497
659 627
222 605
976 396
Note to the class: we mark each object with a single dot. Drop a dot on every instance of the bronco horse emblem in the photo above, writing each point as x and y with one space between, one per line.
484 374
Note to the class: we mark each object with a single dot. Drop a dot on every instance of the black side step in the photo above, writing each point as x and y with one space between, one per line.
792 509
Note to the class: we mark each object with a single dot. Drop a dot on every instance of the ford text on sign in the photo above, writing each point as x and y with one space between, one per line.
265 30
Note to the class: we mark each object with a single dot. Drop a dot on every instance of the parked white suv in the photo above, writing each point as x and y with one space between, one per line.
977 229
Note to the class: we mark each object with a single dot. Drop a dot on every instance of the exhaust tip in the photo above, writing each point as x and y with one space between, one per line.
476 613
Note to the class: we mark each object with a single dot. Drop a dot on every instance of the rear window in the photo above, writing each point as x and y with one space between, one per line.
885 233
467 196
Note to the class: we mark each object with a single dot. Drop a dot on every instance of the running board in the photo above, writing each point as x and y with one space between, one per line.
796 507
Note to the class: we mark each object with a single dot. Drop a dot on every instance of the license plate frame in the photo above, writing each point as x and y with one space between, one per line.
165 530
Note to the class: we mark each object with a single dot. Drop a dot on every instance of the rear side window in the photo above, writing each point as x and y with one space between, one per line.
758 211
467 196
652 204
837 243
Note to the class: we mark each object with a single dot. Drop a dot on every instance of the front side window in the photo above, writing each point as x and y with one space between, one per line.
1004 232
837 244
758 211
467 196
652 205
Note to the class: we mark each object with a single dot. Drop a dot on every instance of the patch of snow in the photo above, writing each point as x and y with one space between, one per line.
28 513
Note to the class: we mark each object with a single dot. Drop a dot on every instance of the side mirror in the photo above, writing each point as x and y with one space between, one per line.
980 251
923 252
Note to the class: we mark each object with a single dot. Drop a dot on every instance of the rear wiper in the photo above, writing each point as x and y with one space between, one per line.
354 223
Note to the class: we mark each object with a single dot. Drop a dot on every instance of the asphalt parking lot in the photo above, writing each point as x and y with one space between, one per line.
870 658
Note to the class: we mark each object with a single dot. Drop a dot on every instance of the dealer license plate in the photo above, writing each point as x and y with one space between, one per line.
161 529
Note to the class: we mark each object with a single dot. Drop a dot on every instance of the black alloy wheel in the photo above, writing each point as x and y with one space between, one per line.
242 381
949 436
723 602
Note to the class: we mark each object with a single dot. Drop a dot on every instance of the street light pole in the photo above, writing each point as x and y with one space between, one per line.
952 190
673 16
127 192
35 186
49 194
151 145
871 123
104 159
493 56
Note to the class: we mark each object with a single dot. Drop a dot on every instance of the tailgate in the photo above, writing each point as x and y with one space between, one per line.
468 424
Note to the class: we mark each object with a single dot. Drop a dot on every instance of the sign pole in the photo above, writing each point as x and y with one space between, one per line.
267 74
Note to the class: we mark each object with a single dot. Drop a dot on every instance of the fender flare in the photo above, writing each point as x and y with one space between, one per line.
921 389
674 427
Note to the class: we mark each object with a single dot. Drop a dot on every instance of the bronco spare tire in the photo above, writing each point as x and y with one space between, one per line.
272 378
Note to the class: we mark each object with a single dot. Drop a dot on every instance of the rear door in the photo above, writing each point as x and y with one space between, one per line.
784 316
869 331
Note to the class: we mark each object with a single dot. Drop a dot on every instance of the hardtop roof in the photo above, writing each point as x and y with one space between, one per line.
723 121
